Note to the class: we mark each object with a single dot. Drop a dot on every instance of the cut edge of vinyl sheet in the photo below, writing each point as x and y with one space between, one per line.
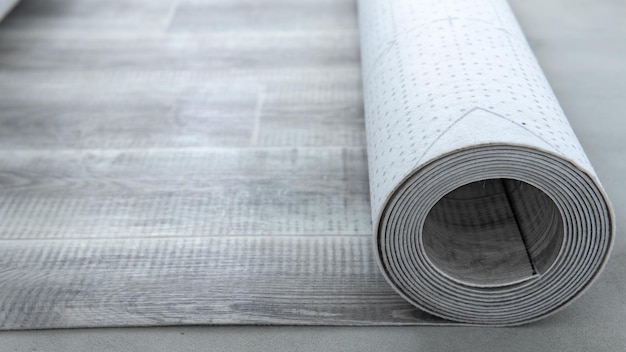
485 207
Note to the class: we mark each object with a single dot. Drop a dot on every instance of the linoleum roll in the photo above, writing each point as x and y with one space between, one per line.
485 207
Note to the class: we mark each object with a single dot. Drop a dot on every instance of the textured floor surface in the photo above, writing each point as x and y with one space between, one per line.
179 162
579 44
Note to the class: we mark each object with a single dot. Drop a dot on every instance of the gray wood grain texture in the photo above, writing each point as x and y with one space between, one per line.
325 280
158 168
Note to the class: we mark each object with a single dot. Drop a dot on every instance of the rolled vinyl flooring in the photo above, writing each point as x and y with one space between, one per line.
208 164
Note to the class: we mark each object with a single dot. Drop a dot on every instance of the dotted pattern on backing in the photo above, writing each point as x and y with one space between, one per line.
429 64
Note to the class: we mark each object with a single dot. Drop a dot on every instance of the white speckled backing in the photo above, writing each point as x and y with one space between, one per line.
450 82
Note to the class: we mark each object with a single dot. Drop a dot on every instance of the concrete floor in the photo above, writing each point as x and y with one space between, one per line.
582 47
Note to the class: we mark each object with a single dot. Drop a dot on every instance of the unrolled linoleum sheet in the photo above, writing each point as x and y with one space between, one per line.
485 208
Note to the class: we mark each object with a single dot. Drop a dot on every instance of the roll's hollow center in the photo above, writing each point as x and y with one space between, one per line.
494 232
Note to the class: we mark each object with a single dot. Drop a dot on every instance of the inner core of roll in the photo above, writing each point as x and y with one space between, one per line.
493 233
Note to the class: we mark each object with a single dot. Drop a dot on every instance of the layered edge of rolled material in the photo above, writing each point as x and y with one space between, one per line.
485 207
567 230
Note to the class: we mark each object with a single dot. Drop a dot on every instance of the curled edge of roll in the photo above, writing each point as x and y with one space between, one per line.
588 228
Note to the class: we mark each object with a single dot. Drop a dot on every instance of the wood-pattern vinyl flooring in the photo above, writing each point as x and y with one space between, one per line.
185 162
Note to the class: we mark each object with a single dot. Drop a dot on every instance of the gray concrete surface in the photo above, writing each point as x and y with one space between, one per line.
582 47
